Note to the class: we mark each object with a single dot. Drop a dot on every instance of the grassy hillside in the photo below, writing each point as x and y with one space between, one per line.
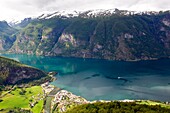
18 90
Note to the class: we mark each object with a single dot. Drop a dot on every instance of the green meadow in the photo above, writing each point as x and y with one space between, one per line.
153 103
22 98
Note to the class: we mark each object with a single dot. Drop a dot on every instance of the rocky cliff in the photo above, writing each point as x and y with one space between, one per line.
120 35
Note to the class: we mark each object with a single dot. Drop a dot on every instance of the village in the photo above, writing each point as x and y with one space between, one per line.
61 100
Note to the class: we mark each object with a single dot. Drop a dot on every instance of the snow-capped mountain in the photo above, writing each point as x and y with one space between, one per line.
14 22
69 14
105 34
92 13
59 14
83 14
20 23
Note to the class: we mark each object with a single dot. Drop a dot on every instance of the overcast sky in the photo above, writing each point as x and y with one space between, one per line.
19 9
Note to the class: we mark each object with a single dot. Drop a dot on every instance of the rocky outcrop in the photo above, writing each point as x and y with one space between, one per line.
23 75
13 72
65 42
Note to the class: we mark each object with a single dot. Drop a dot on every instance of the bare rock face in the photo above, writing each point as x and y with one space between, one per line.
68 45
67 38
65 41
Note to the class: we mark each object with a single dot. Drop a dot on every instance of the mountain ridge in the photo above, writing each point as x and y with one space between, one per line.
85 14
112 36
7 36
13 72
94 13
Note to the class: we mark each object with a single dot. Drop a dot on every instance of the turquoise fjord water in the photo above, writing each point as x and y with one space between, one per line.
108 80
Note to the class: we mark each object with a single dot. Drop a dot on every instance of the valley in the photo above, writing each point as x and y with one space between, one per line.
81 61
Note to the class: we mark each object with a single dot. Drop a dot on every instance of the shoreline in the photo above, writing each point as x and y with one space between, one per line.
93 58
63 100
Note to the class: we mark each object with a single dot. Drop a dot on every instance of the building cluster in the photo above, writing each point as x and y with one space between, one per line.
65 99
47 88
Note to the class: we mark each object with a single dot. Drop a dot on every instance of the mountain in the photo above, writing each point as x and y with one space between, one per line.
92 13
103 34
7 36
13 72
20 24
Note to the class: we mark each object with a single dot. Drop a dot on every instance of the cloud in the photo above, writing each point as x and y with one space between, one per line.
24 8
142 5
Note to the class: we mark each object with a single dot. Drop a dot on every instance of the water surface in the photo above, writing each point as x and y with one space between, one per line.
109 80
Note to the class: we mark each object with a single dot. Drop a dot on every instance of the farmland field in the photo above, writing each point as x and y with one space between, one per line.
22 97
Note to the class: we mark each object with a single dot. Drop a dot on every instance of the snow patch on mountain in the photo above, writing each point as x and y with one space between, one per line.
87 14
59 14
93 13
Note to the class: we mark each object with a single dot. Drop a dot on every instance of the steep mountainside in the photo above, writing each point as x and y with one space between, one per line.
12 72
7 36
113 35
